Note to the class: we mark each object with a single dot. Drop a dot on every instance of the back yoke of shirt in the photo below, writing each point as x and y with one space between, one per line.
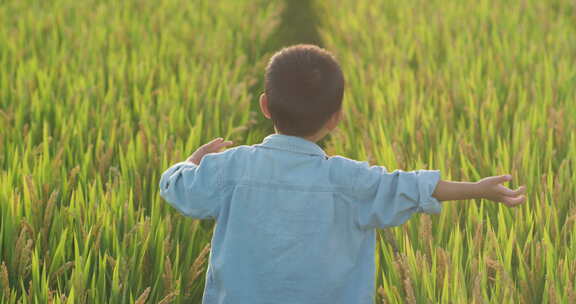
293 225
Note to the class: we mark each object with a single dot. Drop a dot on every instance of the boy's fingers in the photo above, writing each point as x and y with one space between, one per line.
216 144
503 178
521 190
509 192
519 200
505 191
223 144
514 201
211 143
215 141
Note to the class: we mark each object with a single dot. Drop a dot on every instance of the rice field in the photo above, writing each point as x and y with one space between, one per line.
472 88
97 98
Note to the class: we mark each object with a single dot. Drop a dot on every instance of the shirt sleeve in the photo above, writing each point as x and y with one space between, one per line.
194 190
390 198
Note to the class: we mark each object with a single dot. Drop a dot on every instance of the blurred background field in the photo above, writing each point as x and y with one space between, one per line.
97 98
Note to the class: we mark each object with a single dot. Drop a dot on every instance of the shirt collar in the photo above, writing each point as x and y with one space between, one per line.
292 143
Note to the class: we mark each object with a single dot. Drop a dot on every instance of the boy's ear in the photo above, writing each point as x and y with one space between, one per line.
264 105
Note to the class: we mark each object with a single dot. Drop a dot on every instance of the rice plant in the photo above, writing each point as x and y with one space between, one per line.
96 99
473 88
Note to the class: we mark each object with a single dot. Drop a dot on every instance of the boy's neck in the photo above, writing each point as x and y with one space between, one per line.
313 138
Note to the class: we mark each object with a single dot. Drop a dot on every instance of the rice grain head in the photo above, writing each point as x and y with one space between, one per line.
143 297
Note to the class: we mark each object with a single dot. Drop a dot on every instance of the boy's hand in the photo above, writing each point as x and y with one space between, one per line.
491 188
214 146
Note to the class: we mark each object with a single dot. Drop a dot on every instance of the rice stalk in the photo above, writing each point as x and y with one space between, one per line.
143 297
4 279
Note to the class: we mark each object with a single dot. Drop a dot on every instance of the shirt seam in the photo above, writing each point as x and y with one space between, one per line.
219 189
356 207
334 189
355 181
355 190
292 150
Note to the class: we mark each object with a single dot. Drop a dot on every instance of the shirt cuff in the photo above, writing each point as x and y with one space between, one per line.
164 179
428 179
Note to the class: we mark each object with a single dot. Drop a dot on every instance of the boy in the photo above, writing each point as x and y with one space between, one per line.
294 225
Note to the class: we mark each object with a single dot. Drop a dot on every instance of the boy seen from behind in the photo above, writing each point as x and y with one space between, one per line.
294 225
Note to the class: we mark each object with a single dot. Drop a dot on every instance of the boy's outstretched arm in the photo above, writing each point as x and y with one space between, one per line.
488 188
192 187
212 147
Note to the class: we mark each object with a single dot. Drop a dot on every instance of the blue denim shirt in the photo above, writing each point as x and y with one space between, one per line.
294 225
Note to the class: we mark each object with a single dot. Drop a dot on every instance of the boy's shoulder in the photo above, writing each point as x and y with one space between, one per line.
228 152
235 150
335 162
238 153
345 160
333 159
354 169
350 162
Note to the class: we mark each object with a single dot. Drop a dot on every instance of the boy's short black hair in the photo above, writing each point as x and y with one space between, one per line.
304 86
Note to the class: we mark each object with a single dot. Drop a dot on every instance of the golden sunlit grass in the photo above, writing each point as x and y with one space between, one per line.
97 98
473 88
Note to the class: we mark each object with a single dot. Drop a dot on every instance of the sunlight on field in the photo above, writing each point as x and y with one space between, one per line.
97 98
473 88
